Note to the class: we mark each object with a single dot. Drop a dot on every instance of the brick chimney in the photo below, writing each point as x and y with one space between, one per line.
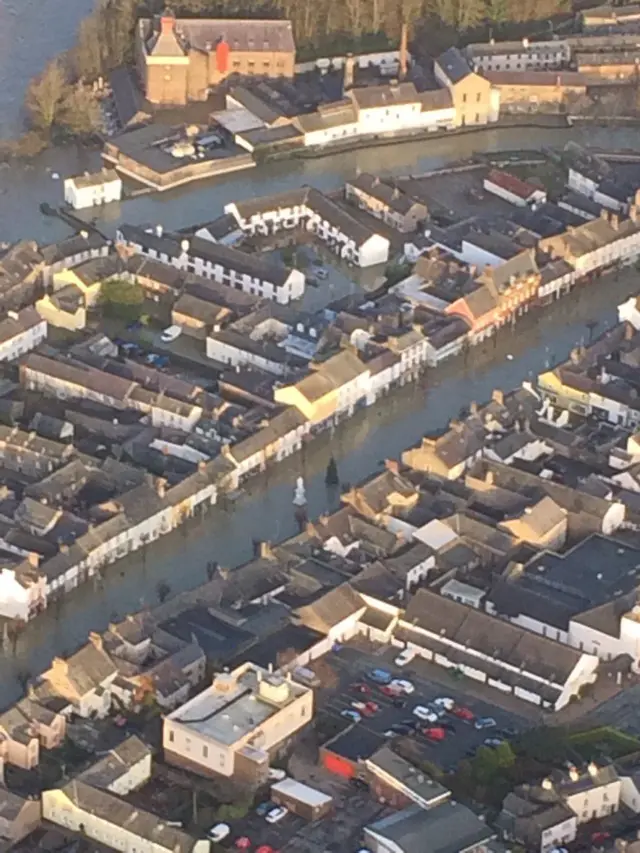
498 396
404 52
167 22
392 465
349 68
266 552
96 640
161 487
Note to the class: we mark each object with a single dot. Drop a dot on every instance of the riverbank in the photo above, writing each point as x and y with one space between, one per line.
265 510
136 154
24 188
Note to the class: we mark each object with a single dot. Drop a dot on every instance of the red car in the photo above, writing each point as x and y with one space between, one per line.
361 688
463 713
371 707
392 692
434 733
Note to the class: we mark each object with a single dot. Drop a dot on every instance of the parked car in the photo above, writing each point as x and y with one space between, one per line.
391 690
372 707
423 713
354 716
379 676
357 782
463 713
412 724
436 733
492 742
398 729
170 334
219 831
403 685
264 808
359 687
445 702
321 273
405 657
485 723
276 815
399 702
275 774
448 726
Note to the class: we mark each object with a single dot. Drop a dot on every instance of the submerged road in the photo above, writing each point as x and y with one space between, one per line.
359 445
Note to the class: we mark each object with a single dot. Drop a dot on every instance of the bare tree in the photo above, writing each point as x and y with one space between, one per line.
45 96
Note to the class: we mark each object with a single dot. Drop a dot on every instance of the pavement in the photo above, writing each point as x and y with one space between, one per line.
352 662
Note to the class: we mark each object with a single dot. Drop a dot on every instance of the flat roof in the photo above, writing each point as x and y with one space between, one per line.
234 705
302 793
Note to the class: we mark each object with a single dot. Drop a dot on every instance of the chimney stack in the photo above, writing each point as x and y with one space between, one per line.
167 22
266 552
498 396
403 52
349 67
392 465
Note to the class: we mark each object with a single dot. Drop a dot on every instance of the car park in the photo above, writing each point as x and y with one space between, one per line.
424 713
277 814
405 657
379 676
403 685
485 723
219 831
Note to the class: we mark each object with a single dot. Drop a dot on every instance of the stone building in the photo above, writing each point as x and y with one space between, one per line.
179 59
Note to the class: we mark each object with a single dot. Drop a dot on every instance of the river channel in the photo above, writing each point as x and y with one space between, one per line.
31 31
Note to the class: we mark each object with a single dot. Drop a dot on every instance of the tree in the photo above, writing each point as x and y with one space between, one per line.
45 96
87 55
331 476
485 765
505 756
122 299
163 591
79 112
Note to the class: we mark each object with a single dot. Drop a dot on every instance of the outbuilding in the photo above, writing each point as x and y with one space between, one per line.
300 799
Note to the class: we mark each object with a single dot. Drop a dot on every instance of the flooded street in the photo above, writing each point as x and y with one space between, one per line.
359 446
31 32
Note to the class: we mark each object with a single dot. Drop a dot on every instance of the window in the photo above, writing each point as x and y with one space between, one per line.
478 97
205 752
171 737
464 99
